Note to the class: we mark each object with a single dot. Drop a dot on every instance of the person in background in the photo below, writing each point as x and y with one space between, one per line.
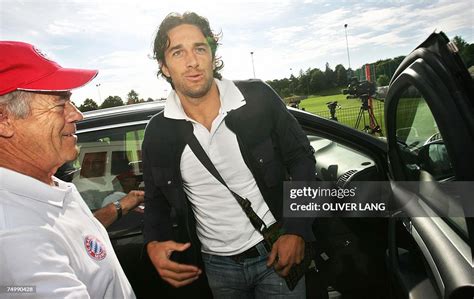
115 205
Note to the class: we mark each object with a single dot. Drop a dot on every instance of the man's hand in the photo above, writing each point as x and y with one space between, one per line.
290 250
174 273
108 214
132 200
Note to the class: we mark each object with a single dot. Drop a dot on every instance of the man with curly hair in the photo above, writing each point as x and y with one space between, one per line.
192 221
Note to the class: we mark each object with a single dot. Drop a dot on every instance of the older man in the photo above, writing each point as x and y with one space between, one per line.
50 243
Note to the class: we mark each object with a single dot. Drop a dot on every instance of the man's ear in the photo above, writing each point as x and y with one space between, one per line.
164 69
6 128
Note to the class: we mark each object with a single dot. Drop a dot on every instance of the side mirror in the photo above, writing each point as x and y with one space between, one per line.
433 158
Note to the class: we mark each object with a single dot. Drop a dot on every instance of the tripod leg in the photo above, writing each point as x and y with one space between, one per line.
375 128
356 126
366 128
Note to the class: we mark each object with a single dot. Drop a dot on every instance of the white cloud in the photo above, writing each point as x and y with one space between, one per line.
284 35
115 36
121 71
62 28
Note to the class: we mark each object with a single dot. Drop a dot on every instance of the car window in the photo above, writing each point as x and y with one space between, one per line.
421 145
110 164
419 140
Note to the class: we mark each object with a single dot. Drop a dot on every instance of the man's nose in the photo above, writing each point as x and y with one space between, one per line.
72 113
191 60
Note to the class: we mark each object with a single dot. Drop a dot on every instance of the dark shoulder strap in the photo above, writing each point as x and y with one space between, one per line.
204 158
244 203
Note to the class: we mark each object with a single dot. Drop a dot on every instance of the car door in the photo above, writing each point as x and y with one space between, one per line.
109 167
429 112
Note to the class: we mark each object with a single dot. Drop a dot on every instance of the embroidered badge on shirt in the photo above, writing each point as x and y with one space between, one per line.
94 247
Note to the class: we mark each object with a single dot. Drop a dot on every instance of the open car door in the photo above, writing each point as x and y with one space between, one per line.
429 113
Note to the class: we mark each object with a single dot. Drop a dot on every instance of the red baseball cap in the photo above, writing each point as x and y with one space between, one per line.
24 67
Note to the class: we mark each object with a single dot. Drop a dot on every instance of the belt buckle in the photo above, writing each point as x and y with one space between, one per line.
238 258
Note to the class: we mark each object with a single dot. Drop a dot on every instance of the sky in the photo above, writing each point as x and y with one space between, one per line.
285 36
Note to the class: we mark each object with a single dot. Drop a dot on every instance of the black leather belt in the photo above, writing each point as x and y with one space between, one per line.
252 252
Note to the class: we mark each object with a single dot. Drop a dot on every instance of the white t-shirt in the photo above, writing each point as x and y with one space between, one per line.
222 226
50 240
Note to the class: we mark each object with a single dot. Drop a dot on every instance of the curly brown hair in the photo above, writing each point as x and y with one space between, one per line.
173 20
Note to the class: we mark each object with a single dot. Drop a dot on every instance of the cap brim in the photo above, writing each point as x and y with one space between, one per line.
63 79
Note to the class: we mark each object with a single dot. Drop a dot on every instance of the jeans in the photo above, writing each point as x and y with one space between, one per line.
250 278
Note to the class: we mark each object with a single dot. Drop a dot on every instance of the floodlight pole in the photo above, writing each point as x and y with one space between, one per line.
253 66
98 91
347 45
291 71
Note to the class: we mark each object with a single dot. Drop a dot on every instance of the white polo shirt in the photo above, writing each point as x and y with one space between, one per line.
50 240
222 226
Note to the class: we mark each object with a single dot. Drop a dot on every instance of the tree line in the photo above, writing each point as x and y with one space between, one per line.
113 101
314 81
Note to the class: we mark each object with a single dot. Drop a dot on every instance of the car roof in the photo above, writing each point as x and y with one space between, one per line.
120 114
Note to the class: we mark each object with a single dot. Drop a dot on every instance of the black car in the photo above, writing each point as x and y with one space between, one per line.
429 116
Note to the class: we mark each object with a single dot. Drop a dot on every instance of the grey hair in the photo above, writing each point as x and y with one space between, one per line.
16 103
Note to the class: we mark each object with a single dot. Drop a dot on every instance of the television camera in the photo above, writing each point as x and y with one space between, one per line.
362 89
365 91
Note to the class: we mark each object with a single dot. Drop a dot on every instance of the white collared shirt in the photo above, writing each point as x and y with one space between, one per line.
50 240
222 226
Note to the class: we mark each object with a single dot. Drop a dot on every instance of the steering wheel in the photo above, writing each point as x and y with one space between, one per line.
435 137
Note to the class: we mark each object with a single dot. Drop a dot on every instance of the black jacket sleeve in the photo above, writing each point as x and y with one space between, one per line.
158 223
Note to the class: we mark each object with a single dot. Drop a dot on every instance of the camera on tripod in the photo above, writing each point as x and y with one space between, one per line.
363 90
359 89
332 106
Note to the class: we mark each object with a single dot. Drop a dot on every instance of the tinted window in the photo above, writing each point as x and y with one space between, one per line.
420 142
422 147
110 164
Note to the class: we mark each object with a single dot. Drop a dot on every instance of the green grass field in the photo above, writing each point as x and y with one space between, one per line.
315 104
349 108
413 114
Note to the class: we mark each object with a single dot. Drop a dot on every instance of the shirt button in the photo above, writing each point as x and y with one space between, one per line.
169 182
260 160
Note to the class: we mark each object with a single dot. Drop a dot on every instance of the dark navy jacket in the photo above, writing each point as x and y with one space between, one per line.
273 146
